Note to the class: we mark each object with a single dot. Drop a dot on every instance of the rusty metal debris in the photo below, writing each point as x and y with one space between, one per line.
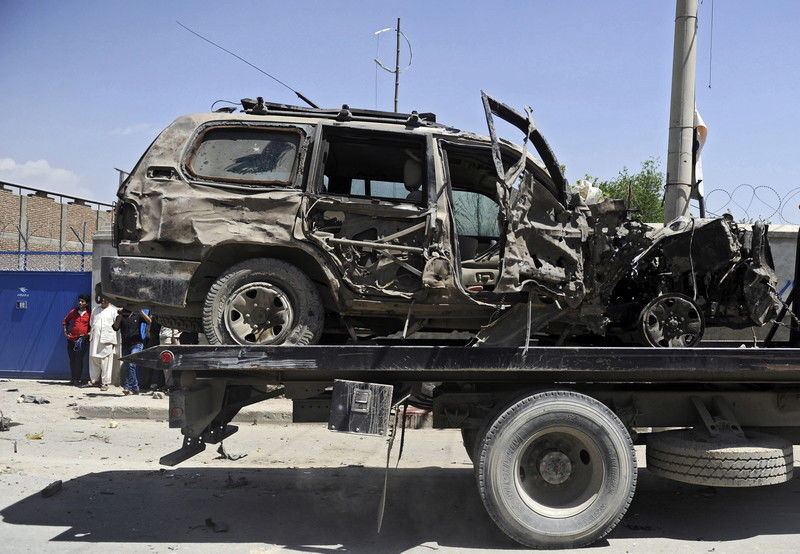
285 224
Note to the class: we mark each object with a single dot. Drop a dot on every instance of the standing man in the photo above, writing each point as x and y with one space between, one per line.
130 326
102 344
76 329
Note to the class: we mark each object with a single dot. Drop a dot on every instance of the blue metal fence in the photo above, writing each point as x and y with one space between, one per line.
32 307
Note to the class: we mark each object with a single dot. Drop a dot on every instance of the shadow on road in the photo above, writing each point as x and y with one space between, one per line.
306 508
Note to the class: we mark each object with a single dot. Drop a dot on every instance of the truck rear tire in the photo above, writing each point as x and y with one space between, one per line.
688 457
556 470
263 301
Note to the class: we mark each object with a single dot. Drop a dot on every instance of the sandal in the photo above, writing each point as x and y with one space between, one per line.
104 387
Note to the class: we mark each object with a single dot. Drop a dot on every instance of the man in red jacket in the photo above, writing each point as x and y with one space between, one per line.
76 329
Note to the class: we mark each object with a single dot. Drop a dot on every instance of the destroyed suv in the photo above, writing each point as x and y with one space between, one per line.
289 225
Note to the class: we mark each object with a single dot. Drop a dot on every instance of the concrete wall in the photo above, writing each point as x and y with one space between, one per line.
42 223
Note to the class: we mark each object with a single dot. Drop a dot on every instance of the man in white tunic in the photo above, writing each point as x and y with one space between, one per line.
102 344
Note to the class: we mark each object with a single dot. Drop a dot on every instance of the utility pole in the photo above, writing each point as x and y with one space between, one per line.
681 114
397 64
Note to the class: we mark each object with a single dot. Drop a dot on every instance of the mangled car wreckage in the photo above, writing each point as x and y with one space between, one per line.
289 225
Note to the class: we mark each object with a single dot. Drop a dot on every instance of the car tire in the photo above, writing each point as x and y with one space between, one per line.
754 461
556 470
263 301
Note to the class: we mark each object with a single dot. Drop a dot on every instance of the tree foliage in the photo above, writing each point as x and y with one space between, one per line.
642 191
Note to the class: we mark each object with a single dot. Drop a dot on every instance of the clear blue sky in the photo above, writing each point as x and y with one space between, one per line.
87 85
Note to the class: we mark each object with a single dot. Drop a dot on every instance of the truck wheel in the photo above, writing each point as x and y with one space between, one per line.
260 302
688 457
556 470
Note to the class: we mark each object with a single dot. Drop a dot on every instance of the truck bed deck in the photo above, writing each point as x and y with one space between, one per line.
387 363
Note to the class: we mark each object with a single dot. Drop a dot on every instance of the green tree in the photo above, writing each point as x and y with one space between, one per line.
642 191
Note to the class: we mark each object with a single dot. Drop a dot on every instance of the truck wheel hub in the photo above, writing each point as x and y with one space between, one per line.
555 467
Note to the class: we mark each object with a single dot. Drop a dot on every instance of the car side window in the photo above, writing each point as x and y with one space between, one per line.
248 155
375 165
476 214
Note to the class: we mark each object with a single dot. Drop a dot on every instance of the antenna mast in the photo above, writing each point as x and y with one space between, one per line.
396 71
397 65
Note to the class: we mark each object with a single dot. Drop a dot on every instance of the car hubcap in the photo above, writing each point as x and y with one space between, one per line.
259 313
672 320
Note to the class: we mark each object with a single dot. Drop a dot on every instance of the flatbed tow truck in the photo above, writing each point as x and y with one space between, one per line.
551 430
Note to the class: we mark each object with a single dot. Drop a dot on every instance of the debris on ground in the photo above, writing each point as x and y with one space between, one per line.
240 482
102 438
52 489
35 436
216 526
112 424
12 390
5 423
223 455
31 399
158 395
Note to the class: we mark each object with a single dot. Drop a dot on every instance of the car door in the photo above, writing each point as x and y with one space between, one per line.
367 208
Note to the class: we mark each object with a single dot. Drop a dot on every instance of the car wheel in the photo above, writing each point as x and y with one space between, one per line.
263 301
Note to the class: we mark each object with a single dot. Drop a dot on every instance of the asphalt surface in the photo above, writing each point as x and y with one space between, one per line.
302 488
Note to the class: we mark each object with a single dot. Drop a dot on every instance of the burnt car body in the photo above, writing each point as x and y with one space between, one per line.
282 224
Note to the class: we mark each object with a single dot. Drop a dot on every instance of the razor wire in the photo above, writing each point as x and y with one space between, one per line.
750 203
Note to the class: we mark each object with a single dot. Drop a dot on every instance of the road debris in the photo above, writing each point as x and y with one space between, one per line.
101 438
52 489
112 424
223 455
35 436
5 423
31 399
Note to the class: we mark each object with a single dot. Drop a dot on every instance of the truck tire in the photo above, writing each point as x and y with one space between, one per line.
720 462
556 470
263 301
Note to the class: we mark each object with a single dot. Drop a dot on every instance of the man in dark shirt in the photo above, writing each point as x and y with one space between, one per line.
129 324
76 329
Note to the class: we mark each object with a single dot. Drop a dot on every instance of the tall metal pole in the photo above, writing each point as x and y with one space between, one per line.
397 65
681 113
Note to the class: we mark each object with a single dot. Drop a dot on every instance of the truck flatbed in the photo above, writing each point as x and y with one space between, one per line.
538 364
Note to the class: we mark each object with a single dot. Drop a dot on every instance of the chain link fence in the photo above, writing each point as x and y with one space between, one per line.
12 260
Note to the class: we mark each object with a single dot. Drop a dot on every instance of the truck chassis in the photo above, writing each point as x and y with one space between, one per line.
550 429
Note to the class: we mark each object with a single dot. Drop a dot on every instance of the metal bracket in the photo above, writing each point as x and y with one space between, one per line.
191 447
723 423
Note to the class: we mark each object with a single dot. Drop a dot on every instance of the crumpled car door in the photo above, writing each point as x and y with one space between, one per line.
543 241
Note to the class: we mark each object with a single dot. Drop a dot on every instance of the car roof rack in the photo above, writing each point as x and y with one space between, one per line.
345 113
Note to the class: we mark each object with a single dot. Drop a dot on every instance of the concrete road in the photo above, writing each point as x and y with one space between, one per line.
302 488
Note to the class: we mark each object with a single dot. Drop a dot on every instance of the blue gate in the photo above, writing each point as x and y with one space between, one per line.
32 307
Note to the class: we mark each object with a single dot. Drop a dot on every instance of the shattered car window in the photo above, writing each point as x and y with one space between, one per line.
264 156
376 166
476 214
